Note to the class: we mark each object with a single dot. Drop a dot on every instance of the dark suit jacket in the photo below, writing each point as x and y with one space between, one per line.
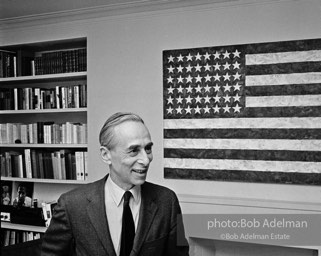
79 225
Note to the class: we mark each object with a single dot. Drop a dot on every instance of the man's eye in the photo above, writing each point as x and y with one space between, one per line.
148 150
133 151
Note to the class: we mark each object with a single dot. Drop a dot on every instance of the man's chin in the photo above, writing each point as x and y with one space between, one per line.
140 180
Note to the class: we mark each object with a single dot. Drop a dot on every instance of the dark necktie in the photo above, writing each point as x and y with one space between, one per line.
128 227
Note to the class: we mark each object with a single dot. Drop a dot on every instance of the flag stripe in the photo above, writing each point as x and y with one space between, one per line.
279 79
283 101
284 46
284 68
243 176
270 155
243 165
267 112
247 123
285 89
282 112
283 57
255 144
298 134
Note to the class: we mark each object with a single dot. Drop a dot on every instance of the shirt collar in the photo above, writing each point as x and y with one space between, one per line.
117 192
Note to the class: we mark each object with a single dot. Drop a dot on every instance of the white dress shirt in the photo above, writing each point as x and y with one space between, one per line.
114 209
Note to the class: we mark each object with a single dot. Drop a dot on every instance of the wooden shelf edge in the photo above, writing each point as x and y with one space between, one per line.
79 146
8 225
36 180
43 111
44 77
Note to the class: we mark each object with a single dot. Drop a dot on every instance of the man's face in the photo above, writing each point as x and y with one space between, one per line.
21 193
131 154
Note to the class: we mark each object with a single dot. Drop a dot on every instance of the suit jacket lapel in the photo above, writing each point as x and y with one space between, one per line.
147 213
97 215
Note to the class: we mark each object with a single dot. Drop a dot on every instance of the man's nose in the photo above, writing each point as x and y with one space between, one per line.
144 158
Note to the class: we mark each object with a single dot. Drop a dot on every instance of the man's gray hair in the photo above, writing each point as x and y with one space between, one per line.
106 134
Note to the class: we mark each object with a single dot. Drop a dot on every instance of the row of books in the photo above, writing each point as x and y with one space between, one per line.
11 237
60 97
61 62
22 63
61 164
43 132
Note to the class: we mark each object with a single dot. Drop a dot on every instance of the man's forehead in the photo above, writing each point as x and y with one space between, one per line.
131 133
130 129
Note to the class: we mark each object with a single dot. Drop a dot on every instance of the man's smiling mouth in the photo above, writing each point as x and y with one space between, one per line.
140 171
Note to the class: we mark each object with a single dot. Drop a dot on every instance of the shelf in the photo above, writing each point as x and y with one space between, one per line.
43 145
43 78
42 111
55 181
8 225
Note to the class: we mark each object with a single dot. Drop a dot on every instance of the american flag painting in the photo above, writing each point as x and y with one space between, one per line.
247 113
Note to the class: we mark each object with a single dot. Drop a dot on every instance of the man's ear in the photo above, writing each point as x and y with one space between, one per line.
105 155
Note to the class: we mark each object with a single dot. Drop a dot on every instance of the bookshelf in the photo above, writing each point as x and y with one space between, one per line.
43 120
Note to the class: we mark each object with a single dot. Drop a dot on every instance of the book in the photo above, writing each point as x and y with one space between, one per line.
24 61
63 161
8 63
85 165
3 165
48 167
80 165
8 164
28 165
55 164
72 166
24 133
7 237
47 211
40 132
41 165
17 168
45 214
29 235
35 164
30 134
16 133
20 166
68 166
12 237
9 130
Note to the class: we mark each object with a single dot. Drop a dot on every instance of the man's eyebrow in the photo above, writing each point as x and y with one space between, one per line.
137 146
133 146
150 144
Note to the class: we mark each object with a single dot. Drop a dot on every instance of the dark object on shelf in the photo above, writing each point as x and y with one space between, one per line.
25 215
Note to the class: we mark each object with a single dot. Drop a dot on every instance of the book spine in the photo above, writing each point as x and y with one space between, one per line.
63 164
28 163
79 165
21 166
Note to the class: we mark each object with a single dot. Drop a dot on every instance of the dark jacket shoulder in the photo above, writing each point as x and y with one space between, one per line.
85 190
157 189
158 193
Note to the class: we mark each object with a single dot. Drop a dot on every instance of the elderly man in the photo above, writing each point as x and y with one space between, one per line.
120 214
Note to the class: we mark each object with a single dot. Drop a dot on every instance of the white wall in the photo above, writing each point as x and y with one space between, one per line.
126 58
125 71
